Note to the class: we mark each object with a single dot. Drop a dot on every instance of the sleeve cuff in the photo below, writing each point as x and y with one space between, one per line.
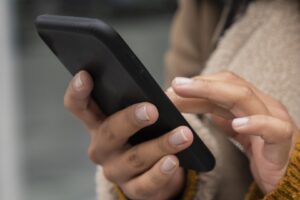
189 191
288 187
120 194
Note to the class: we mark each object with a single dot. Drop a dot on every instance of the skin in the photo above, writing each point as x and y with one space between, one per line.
146 171
269 135
150 170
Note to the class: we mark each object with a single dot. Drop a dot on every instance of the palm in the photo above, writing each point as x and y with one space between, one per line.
263 169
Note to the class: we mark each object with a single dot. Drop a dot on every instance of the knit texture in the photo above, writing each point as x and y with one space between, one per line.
189 192
288 188
262 47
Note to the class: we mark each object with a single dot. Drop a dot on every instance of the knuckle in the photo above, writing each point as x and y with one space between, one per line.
163 145
67 102
141 191
107 132
205 82
109 173
282 106
206 88
132 191
288 130
229 75
134 158
263 124
156 179
278 103
246 92
94 154
263 119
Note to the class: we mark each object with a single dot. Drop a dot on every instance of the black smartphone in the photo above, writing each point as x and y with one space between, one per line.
120 79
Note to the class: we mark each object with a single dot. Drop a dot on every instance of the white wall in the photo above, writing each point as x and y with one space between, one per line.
10 164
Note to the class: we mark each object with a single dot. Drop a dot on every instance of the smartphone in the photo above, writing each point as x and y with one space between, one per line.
120 78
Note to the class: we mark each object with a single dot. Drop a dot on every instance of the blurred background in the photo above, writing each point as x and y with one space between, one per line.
42 148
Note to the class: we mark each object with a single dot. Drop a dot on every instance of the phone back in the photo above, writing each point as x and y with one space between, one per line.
120 79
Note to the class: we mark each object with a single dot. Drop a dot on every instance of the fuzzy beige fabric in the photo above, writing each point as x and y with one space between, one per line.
263 47
105 189
190 42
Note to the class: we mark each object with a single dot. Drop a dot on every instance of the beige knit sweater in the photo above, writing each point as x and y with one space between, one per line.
263 46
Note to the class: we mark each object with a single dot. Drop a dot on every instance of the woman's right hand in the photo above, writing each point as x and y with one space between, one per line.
259 122
146 171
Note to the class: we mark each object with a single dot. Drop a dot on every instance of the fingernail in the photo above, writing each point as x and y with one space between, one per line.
78 84
142 114
179 138
183 81
168 165
238 122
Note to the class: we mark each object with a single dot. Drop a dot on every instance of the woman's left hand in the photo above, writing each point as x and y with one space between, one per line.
257 121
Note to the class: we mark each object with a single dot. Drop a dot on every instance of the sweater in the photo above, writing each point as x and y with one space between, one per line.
262 46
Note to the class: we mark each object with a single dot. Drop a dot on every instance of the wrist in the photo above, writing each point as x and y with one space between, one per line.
288 186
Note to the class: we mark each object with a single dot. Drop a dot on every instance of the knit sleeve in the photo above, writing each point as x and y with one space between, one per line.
226 181
289 186
188 193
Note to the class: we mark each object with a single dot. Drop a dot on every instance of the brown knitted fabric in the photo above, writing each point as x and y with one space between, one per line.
120 194
262 47
288 188
189 191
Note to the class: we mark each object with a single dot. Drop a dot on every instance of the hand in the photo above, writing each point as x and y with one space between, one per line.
257 121
146 171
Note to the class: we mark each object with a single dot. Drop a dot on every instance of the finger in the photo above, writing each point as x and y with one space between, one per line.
271 129
197 106
276 134
115 131
150 184
224 124
274 106
78 101
239 100
143 156
228 76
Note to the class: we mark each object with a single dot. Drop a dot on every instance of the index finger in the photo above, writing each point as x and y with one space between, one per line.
274 106
238 99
